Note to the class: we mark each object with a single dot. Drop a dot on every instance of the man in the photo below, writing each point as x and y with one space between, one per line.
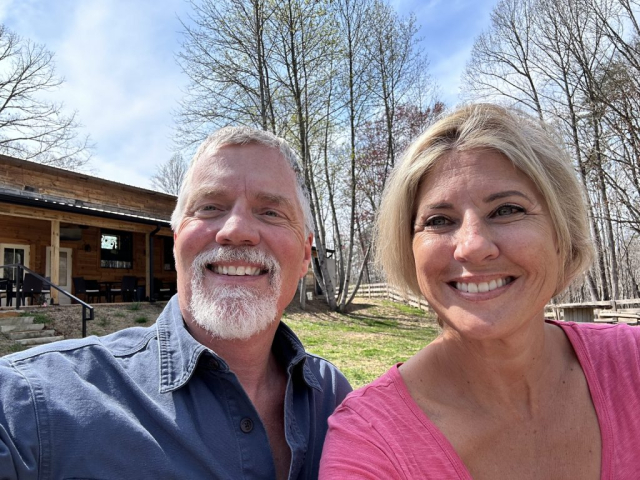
218 388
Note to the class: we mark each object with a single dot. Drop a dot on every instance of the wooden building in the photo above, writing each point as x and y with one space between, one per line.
64 224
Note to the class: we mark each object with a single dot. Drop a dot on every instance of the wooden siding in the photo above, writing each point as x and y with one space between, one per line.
86 251
62 183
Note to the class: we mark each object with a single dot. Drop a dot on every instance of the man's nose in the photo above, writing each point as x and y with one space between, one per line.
475 242
238 228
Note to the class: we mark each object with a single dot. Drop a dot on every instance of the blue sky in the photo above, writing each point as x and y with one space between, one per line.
117 57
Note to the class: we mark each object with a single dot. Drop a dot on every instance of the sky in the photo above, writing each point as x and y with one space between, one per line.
118 61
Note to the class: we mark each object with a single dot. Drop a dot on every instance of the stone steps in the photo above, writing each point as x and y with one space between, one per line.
21 327
39 341
16 320
19 335
23 331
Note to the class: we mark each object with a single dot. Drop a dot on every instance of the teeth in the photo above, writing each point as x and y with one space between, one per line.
236 271
482 287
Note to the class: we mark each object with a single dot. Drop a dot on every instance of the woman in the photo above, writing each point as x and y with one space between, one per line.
485 218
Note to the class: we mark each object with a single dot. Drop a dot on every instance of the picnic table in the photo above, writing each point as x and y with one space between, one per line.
628 316
582 312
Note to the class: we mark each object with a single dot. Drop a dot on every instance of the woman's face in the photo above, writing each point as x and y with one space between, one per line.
484 245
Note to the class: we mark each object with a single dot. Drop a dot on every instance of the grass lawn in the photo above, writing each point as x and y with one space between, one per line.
368 340
364 343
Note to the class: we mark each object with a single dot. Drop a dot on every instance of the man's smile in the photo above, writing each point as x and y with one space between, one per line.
237 270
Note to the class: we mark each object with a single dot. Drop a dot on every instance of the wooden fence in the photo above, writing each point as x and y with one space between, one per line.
382 290
553 311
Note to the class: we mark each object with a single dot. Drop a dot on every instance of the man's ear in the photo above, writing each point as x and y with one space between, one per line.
307 255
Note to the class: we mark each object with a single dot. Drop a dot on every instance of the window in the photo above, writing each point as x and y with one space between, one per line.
167 255
116 249
11 254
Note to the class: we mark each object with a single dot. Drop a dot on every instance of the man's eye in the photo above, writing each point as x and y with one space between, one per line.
207 209
505 210
271 213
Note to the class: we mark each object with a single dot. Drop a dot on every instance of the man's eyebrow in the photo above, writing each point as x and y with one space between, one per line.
203 192
507 193
275 199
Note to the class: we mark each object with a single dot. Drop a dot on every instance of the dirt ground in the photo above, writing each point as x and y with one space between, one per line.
67 320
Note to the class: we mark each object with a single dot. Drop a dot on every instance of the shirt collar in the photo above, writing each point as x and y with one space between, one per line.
179 352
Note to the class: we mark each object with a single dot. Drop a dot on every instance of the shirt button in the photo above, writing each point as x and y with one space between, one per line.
213 364
246 425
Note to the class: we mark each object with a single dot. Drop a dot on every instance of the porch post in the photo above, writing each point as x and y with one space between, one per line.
149 251
55 258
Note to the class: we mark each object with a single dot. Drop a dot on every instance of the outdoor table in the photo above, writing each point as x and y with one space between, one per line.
581 312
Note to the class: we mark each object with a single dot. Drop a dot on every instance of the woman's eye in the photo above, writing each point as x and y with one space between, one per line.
505 210
435 222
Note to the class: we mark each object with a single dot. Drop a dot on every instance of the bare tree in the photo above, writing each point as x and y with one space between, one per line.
169 175
503 62
31 127
226 56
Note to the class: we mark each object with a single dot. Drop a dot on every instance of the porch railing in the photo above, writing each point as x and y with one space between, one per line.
87 310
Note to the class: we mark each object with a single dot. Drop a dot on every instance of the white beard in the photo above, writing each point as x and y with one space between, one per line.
234 312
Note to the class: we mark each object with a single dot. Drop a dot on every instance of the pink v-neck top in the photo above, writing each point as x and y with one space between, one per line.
380 432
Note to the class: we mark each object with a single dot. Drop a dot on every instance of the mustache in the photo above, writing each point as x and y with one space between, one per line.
240 254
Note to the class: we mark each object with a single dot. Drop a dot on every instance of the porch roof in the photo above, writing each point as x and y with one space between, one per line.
52 202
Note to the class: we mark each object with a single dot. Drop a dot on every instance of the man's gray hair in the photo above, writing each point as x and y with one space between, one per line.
243 136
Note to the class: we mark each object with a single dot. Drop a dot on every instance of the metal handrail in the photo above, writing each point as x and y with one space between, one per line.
86 308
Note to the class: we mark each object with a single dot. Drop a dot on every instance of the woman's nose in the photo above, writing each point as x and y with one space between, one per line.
475 242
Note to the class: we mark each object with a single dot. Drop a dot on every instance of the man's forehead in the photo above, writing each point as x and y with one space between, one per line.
225 157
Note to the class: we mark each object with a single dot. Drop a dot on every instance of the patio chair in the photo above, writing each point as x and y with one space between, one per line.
32 288
129 286
90 289
161 291
6 291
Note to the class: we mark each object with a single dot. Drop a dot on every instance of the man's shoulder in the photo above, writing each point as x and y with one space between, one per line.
121 343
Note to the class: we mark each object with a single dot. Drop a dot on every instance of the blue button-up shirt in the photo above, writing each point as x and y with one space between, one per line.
154 403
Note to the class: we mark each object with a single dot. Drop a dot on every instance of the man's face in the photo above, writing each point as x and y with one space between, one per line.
241 246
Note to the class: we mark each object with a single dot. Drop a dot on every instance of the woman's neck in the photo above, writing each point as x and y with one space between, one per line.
516 375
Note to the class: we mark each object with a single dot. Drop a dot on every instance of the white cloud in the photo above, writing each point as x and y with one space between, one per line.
117 57
121 77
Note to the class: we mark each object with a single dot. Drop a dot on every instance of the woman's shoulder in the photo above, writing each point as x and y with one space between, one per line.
601 337
608 353
381 389
382 398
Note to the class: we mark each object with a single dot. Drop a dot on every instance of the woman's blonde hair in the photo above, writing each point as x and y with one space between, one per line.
526 143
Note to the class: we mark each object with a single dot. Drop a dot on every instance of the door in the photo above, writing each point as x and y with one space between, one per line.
65 272
9 254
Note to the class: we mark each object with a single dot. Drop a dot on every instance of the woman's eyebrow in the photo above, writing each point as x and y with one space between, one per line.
439 206
508 193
